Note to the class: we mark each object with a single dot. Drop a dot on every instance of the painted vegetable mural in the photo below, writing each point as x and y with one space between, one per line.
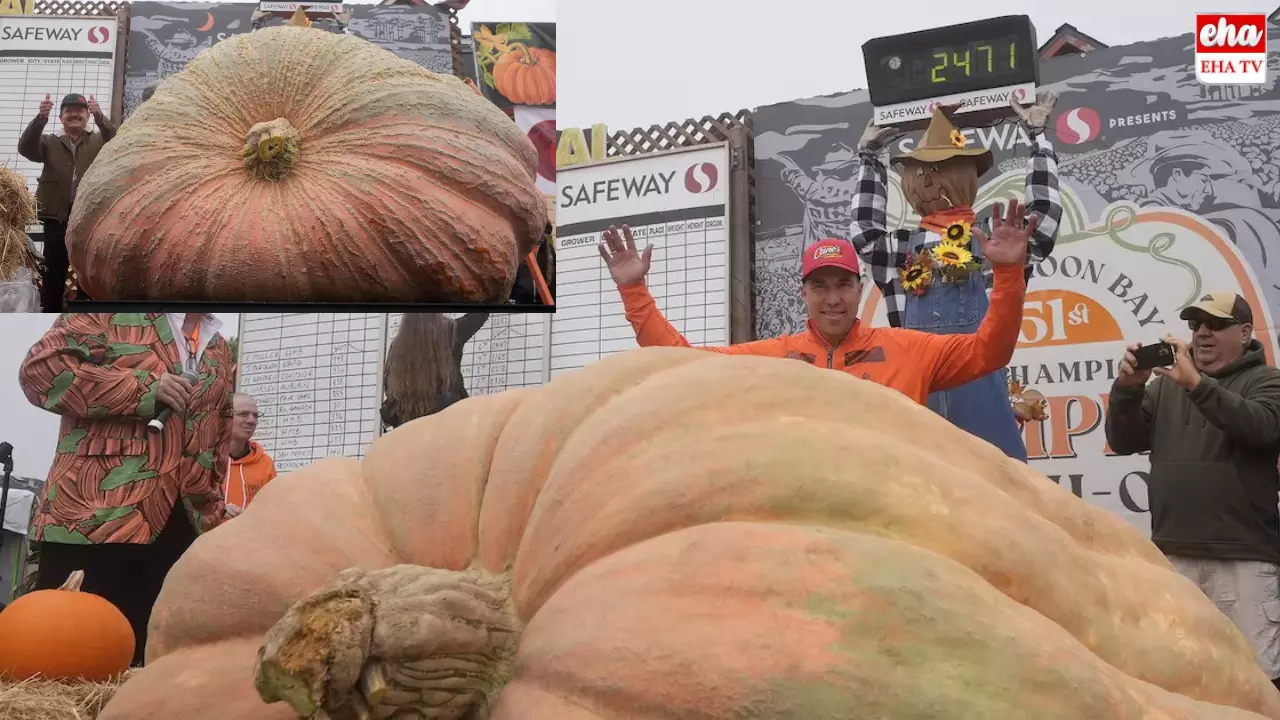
509 61
295 164
575 551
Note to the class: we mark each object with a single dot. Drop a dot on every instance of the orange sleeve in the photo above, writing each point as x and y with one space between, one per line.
953 360
653 330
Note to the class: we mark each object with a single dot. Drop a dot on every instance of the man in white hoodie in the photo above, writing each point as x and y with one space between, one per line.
251 468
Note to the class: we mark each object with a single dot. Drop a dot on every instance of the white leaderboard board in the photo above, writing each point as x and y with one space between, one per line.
317 377
317 380
676 201
52 56
509 351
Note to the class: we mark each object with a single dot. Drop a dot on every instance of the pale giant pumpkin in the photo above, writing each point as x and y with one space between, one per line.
294 164
644 538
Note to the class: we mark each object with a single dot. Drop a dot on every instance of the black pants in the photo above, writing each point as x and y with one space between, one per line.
54 279
127 575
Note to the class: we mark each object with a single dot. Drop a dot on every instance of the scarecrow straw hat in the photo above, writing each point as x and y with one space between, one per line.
943 141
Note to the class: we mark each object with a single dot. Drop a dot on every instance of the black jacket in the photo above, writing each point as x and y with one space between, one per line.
1213 485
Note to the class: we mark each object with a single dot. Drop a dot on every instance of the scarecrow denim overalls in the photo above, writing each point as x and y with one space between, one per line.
980 407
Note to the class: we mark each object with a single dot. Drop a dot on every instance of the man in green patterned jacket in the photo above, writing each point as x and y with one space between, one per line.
123 502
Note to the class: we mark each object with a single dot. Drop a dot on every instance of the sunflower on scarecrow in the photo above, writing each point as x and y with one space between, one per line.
934 277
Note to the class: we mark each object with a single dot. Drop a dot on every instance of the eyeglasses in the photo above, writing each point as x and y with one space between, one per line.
1213 324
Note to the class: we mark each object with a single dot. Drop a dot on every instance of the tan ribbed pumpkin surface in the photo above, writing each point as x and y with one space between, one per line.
645 540
293 164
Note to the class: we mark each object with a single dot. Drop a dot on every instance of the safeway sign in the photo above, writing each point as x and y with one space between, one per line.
1231 49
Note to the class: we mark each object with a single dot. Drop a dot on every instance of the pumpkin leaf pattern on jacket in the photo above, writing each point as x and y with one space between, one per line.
118 350
123 493
163 329
130 319
71 441
56 534
205 459
61 384
133 469
147 405
102 516
81 350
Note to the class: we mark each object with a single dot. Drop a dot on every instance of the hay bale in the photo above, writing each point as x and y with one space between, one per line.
54 700
17 204
15 253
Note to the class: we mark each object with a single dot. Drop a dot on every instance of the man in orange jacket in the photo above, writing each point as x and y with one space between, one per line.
251 468
912 362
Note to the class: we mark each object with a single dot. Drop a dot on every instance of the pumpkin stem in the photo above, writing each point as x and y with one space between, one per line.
271 149
74 581
528 58
375 644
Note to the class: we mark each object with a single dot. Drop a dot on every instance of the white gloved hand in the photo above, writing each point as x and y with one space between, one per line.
875 138
1035 116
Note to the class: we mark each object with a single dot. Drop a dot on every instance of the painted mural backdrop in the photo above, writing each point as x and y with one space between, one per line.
1170 190
165 36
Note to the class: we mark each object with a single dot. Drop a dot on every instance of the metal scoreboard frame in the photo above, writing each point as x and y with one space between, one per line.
983 97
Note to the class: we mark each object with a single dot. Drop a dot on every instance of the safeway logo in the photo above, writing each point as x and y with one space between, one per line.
701 178
1078 126
98 35
1231 49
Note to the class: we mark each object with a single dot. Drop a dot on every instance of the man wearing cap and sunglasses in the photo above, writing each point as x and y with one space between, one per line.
66 158
1211 422
912 362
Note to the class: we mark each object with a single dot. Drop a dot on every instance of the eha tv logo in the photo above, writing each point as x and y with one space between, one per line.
1231 49
701 178
1078 126
98 35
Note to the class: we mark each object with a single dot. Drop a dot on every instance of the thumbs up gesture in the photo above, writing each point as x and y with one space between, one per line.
46 105
94 108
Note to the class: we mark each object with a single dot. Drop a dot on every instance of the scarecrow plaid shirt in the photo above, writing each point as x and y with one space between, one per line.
886 252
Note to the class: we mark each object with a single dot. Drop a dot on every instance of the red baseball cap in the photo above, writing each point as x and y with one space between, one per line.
830 253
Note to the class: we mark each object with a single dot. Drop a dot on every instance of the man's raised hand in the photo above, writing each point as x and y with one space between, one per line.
627 265
46 106
1007 243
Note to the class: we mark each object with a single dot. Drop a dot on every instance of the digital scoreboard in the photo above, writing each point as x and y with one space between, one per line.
978 64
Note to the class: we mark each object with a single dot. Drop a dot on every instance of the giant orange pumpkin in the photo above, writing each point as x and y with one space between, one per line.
64 634
526 75
644 539
294 164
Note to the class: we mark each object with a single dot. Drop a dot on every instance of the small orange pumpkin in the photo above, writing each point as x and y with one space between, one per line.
64 634
526 75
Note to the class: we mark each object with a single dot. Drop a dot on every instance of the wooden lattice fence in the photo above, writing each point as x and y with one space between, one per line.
81 8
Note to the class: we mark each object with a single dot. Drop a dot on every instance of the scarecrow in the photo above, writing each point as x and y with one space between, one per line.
934 277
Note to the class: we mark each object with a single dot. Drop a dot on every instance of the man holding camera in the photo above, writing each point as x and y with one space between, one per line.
1211 421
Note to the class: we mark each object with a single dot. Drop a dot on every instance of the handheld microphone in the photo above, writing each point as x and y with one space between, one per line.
157 423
